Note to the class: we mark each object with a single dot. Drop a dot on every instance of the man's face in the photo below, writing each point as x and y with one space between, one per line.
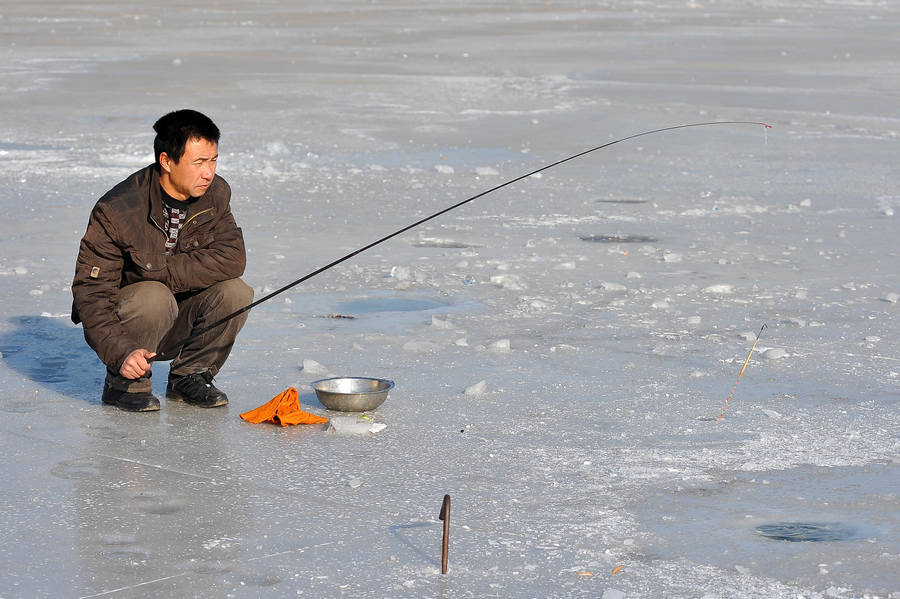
191 176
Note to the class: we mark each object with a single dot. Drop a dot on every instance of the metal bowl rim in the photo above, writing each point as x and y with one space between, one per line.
354 378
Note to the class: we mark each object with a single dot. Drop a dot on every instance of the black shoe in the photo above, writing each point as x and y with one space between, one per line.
140 401
196 389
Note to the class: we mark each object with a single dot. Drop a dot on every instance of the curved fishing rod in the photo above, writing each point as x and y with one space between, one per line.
164 355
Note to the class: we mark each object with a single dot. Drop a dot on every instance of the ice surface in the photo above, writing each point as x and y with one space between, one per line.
594 442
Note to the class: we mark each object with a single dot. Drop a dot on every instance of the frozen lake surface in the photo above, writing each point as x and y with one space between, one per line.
561 347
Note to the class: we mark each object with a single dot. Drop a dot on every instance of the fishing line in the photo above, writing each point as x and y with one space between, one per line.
164 355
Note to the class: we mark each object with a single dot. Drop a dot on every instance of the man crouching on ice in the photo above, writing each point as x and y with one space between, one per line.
161 258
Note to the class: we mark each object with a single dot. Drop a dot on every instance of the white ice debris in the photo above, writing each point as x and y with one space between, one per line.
313 367
774 353
440 323
420 347
500 346
613 594
892 297
354 483
508 281
461 342
401 273
772 414
563 347
719 289
672 257
608 286
634 275
354 425
565 266
486 171
748 336
476 390
694 319
20 270
443 168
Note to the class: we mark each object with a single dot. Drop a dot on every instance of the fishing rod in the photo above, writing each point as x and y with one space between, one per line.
164 355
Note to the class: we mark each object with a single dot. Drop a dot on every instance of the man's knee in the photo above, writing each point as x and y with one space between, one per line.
232 294
148 301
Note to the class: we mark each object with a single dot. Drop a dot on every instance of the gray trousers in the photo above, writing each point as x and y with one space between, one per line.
154 318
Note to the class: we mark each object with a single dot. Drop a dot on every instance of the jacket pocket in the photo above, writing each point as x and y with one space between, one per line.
148 266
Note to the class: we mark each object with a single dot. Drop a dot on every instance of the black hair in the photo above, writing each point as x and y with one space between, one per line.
175 129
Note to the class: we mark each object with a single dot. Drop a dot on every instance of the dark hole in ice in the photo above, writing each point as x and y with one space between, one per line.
808 531
619 238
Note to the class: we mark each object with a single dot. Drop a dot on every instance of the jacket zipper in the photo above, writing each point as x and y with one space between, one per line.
183 226
196 215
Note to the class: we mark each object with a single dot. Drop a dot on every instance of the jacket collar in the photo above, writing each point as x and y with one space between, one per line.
156 202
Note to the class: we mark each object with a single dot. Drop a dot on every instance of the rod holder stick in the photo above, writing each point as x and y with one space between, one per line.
445 544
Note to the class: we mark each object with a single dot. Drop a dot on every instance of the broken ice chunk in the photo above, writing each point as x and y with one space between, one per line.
774 353
477 389
313 367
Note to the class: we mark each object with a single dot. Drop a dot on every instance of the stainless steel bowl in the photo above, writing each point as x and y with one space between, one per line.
352 394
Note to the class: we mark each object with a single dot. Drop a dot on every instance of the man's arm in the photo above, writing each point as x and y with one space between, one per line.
95 288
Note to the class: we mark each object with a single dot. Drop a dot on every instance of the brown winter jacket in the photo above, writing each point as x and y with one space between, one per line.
125 243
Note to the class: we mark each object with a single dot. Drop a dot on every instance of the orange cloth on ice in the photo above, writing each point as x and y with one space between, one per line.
283 409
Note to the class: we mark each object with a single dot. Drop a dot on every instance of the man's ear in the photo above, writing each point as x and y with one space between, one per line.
165 162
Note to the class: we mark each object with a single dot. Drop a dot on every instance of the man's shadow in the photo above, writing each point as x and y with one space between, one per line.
52 352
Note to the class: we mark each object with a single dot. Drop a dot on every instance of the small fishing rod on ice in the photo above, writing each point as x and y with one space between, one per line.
164 355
